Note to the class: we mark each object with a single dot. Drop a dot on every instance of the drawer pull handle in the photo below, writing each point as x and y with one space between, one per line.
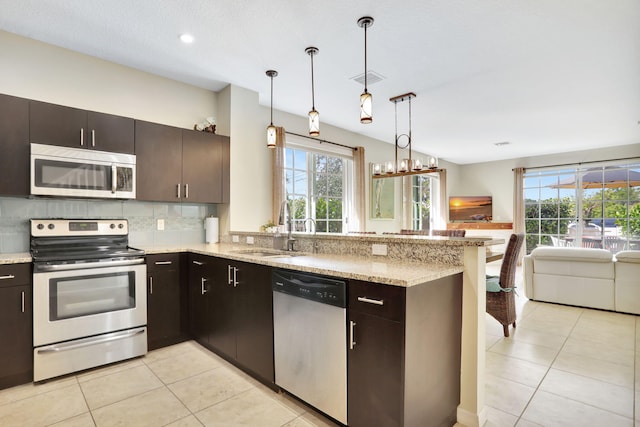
10 276
164 262
371 301
198 263
352 341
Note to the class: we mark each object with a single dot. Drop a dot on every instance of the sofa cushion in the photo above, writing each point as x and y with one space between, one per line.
628 256
572 254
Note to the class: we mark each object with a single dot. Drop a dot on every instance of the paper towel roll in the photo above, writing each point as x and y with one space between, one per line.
211 230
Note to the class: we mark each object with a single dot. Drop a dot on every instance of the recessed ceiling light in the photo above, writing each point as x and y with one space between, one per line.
186 38
500 144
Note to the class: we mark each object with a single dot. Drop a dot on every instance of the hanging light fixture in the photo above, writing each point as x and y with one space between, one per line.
366 99
271 129
405 166
314 116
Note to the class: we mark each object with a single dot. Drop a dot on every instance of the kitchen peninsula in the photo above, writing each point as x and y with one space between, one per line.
411 263
418 276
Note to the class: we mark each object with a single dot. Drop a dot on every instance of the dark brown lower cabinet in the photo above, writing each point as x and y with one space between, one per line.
16 320
165 301
404 360
231 311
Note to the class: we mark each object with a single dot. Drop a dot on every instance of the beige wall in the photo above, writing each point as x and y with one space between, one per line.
36 70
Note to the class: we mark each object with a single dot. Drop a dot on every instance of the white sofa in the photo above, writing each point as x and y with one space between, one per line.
584 277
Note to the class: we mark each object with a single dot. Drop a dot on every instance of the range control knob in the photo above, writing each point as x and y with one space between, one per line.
40 226
51 226
121 226
112 226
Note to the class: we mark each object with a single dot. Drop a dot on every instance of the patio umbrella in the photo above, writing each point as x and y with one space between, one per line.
614 178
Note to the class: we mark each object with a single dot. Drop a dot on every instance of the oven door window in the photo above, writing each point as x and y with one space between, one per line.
85 176
91 294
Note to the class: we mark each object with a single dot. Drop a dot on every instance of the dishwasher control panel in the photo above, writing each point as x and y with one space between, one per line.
326 290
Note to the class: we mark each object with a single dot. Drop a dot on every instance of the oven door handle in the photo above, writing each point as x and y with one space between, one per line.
114 178
90 341
85 265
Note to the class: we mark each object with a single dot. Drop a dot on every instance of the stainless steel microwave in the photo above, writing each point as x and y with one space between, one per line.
79 172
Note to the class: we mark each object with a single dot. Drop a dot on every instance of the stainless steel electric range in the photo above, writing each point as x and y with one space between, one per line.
89 295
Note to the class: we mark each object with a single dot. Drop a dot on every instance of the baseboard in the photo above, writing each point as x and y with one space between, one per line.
470 419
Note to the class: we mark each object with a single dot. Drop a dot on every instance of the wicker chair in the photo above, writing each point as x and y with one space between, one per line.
449 233
502 304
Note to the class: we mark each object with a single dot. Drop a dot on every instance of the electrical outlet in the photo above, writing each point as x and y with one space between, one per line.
160 224
377 249
235 239
249 240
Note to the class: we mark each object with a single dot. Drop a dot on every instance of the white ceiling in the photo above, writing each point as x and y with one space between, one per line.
546 75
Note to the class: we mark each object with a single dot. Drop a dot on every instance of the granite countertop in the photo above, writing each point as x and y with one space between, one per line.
16 258
371 269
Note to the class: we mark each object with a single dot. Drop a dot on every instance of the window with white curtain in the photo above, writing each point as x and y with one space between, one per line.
319 185
591 205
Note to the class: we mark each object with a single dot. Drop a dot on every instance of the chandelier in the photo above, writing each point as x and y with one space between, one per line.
407 165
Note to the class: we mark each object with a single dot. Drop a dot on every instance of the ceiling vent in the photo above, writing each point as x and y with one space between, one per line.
372 77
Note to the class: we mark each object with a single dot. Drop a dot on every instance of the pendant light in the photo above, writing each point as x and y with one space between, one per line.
271 129
314 116
366 99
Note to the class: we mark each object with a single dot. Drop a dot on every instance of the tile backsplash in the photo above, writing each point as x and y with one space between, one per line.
183 223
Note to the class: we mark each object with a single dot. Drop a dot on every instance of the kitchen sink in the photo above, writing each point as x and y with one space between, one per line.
267 253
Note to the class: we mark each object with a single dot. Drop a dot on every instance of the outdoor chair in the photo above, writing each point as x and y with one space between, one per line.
501 303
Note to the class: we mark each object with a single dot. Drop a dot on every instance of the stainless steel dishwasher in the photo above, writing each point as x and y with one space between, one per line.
310 339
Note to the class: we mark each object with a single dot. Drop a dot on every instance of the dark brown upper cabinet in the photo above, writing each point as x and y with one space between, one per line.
181 165
14 146
53 124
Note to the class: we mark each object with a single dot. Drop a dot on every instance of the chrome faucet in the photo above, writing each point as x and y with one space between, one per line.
285 219
315 229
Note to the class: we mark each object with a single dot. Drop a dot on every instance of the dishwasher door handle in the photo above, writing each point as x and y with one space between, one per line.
352 331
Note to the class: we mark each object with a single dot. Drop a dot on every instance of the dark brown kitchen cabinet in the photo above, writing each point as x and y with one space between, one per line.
250 322
14 146
404 353
158 162
201 269
16 330
164 301
181 165
53 124
231 311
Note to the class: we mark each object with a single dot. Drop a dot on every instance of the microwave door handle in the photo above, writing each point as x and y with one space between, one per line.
114 178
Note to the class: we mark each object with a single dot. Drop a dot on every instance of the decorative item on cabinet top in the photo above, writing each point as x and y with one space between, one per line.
209 125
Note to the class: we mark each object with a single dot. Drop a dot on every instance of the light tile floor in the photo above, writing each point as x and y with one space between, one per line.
562 366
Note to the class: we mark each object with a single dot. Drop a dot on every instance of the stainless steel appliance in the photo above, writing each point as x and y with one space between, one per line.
89 295
310 339
78 172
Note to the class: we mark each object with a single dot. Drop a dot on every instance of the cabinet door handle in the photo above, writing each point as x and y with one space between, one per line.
235 277
169 262
114 178
186 191
150 285
202 284
179 187
198 263
22 301
82 137
228 274
371 301
352 331
8 276
93 137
